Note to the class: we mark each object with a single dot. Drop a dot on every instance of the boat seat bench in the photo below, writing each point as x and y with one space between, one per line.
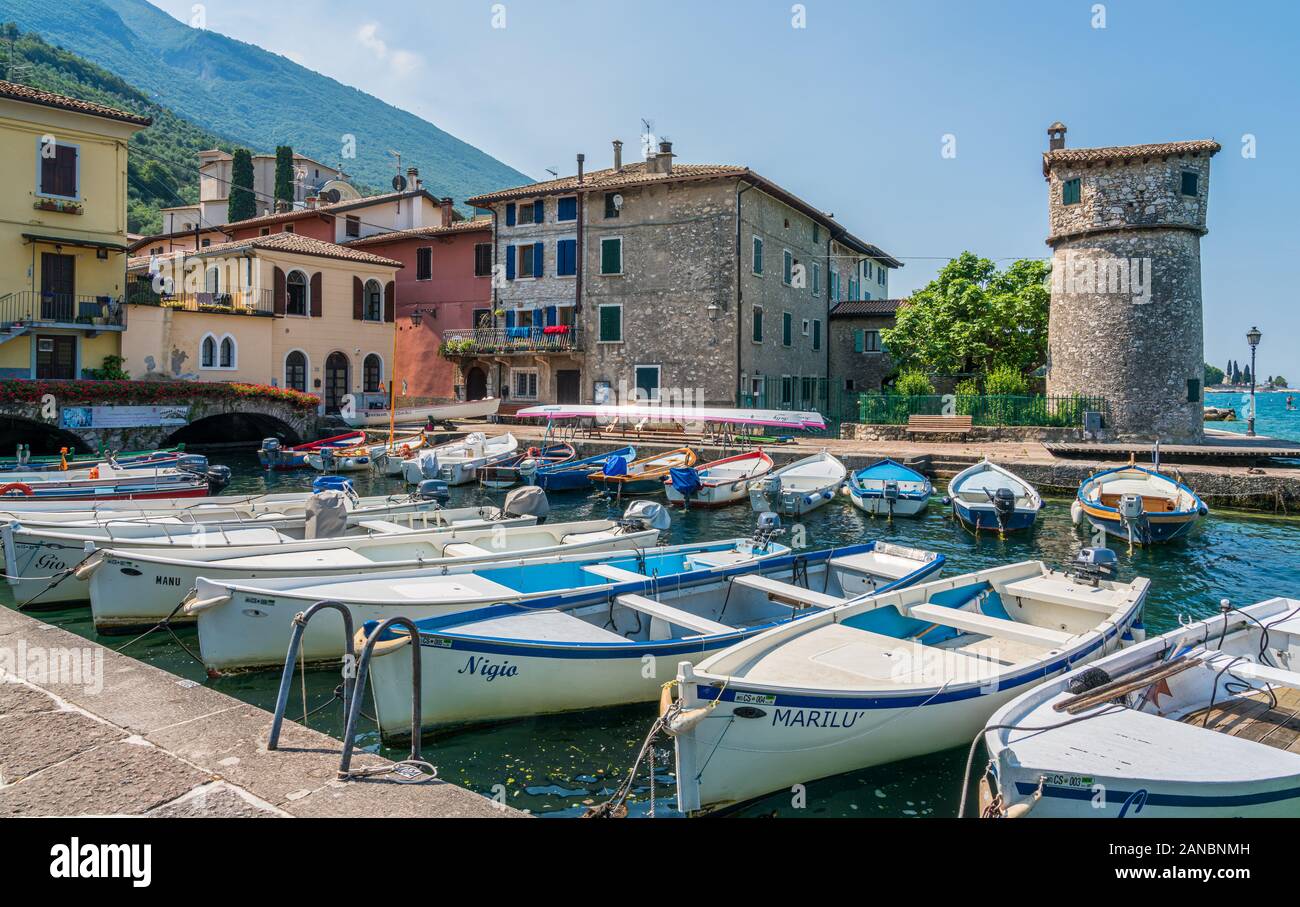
673 615
787 593
971 622
617 574
1051 590
384 526
464 549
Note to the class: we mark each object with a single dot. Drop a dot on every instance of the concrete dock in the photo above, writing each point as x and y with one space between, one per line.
87 731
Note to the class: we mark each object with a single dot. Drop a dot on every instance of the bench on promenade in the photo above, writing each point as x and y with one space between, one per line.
939 425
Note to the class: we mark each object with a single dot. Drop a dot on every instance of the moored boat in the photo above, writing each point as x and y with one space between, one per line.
888 677
458 462
274 455
522 468
575 475
509 661
718 483
106 481
986 496
799 487
888 487
1139 505
644 476
1197 723
438 412
362 457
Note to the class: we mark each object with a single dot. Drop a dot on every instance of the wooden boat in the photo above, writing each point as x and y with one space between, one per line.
34 556
888 677
458 463
1140 505
617 652
275 456
718 483
1197 723
890 488
361 457
575 475
105 482
522 468
245 624
147 459
439 412
986 496
799 487
644 476
132 587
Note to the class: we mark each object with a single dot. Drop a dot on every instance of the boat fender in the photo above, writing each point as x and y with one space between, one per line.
86 569
683 721
1203 510
807 499
1076 512
1088 680
193 604
666 697
828 495
394 642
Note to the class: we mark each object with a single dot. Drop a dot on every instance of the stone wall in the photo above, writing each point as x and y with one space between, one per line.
858 431
866 370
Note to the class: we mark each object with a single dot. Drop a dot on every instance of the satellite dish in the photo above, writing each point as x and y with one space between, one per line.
399 183
331 196
618 201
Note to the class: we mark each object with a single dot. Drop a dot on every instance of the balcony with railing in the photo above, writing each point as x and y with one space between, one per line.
38 308
466 342
236 302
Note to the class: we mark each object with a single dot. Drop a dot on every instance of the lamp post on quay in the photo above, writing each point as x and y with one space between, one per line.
1253 336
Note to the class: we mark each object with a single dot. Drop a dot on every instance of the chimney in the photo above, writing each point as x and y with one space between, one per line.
282 206
412 178
618 155
581 159
446 211
1056 136
664 160
312 201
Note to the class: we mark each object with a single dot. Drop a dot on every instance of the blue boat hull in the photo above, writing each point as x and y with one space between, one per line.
986 518
1148 533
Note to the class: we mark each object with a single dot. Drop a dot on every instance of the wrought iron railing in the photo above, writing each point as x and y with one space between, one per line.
495 341
48 307
237 302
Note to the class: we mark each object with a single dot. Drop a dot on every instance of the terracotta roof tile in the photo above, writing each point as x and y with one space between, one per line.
855 307
1127 152
461 226
17 92
282 242
332 210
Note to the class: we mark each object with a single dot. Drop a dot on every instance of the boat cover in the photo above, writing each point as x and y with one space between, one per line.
685 479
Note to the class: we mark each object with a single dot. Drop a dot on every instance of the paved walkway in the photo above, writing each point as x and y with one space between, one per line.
87 731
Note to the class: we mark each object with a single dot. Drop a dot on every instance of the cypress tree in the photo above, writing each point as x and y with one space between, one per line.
284 188
242 203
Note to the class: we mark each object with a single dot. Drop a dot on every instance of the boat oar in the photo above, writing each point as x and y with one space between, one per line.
1125 684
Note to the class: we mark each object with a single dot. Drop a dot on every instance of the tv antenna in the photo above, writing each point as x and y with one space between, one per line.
14 69
399 181
555 174
647 137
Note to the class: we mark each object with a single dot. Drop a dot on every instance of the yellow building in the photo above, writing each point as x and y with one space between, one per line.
285 309
62 232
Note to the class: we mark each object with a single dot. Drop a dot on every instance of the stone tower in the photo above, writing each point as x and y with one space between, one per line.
1126 324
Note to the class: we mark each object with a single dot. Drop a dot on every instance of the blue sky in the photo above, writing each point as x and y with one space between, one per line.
851 111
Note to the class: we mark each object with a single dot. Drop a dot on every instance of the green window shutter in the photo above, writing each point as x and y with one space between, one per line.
758 326
859 341
787 268
817 334
1070 192
758 255
787 328
611 323
611 256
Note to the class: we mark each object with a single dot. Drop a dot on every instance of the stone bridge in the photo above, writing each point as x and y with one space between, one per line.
198 420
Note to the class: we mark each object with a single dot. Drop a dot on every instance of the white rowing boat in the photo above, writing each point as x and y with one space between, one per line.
1201 723
362 457
889 677
438 412
458 463
718 483
798 487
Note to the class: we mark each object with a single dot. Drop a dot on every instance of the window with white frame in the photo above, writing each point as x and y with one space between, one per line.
208 352
523 383
816 279
757 264
611 323
374 302
296 291
295 371
226 353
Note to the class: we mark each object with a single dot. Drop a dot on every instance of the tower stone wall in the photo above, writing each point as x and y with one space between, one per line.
1126 313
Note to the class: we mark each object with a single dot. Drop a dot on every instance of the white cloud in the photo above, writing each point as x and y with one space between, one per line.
400 62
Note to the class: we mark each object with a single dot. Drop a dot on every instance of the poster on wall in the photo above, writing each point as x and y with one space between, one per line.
122 416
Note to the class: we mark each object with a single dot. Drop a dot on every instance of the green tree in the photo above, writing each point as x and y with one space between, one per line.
974 318
1279 381
242 204
913 384
1213 375
284 188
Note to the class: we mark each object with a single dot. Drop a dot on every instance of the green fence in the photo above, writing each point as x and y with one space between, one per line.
804 394
894 409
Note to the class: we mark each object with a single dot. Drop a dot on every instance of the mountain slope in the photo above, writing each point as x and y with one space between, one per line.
161 165
258 98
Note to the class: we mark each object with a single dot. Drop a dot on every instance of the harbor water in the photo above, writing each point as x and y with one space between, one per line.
1272 418
558 765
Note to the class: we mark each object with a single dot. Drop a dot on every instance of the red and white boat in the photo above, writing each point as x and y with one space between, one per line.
106 482
273 456
718 483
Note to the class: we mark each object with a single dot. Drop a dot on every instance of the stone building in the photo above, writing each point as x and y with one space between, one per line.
1126 319
859 362
694 283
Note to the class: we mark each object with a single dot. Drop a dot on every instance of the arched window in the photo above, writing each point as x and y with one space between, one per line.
227 357
298 301
374 310
372 373
212 280
295 371
208 352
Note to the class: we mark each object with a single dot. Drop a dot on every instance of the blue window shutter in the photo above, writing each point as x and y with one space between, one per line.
510 214
539 211
510 319
539 249
510 262
551 316
567 209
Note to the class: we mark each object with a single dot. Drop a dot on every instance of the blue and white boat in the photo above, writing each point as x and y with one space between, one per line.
575 475
1197 723
1140 505
890 488
245 623
510 661
986 496
888 677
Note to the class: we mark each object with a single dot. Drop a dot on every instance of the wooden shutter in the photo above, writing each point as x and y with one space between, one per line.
539 250
390 301
358 299
551 315
510 262
510 319
539 212
277 291
317 299
510 214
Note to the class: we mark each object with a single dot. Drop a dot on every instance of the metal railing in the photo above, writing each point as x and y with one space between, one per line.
985 409
237 302
47 307
487 341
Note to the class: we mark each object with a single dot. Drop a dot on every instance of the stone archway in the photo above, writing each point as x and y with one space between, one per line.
43 439
228 428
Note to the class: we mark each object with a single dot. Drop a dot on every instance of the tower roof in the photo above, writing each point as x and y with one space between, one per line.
1207 147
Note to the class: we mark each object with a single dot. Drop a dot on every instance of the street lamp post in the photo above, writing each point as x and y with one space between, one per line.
1253 336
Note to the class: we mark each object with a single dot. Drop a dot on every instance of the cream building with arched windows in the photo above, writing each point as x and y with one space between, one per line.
285 310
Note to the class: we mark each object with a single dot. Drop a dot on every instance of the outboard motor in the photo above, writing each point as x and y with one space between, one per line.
429 466
768 528
218 478
333 483
1130 507
1004 506
890 494
645 515
1092 565
433 490
195 463
327 515
527 500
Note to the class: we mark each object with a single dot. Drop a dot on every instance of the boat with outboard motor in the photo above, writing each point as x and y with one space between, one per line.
511 661
183 478
718 483
362 457
575 475
1197 723
522 468
645 476
274 455
437 412
888 677
1142 506
66 460
986 496
888 487
458 463
799 487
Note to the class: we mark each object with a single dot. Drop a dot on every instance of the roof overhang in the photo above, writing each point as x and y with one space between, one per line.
73 241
